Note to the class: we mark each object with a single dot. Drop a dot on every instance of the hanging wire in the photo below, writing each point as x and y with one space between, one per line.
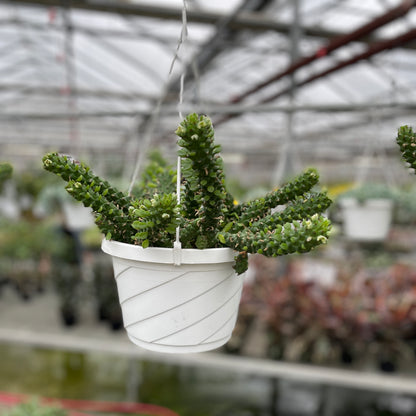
156 110
70 71
149 132
177 243
184 34
146 140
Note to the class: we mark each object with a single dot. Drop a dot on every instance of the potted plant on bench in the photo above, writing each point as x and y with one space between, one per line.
184 297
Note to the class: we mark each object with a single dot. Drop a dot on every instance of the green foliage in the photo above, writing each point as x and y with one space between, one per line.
110 205
261 206
24 240
291 237
73 171
155 219
32 182
405 212
406 139
33 408
205 197
6 170
370 191
158 177
207 215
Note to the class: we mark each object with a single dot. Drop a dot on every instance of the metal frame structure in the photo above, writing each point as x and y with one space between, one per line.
324 379
85 76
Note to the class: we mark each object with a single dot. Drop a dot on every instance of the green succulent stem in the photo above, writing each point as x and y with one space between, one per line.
301 208
155 220
204 182
406 139
294 237
111 206
110 219
69 169
260 207
287 220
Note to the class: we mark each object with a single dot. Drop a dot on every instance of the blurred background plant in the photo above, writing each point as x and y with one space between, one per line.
34 408
6 170
364 317
25 248
369 190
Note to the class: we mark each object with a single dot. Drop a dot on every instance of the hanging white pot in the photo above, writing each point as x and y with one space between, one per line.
369 220
190 307
77 217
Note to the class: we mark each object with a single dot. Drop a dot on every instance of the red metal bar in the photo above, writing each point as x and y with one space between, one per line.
334 44
371 51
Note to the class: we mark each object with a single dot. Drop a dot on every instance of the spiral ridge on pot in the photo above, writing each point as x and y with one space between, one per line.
186 308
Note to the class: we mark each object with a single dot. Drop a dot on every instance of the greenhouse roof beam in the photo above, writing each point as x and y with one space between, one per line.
62 140
90 31
136 64
362 121
97 69
224 31
34 89
371 51
217 109
246 20
216 43
333 45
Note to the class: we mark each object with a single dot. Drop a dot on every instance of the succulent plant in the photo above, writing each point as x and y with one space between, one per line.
406 139
158 176
207 215
370 190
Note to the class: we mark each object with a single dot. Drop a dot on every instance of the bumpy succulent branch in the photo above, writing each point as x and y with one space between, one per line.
69 169
188 232
156 220
294 237
110 205
158 177
406 139
302 208
202 169
254 210
118 215
110 219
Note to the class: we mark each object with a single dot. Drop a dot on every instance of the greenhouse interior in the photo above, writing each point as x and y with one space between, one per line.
249 161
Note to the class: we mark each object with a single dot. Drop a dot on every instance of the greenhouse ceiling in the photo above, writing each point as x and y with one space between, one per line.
287 83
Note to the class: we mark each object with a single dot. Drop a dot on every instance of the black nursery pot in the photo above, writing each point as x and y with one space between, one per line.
69 315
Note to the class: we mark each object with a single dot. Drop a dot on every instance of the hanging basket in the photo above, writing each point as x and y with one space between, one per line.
190 307
367 221
77 217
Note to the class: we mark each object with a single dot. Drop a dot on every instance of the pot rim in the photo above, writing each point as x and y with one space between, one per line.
368 203
168 255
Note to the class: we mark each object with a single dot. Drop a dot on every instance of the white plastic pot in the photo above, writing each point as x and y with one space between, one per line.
184 308
77 217
366 221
